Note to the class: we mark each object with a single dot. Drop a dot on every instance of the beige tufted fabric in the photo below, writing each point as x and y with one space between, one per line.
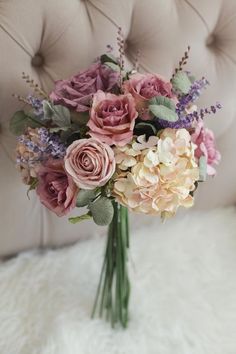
51 39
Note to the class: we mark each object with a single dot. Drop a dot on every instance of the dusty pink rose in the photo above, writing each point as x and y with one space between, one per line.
56 189
143 87
90 163
205 141
76 93
112 118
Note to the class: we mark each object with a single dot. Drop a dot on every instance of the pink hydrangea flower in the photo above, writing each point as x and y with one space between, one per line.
205 141
76 93
112 118
56 188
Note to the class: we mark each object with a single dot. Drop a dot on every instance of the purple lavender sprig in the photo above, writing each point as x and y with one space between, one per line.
186 119
110 49
36 103
193 94
41 148
209 110
51 143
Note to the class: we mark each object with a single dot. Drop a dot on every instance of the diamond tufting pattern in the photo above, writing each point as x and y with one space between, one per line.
51 39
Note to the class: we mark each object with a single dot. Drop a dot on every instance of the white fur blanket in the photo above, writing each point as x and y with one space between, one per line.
183 299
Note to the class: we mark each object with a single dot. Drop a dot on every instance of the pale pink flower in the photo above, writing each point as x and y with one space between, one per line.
112 118
163 176
205 140
143 87
90 163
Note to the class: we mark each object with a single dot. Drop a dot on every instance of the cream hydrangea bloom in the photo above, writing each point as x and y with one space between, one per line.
156 176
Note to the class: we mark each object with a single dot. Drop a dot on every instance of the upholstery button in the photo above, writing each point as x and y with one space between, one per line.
211 40
37 60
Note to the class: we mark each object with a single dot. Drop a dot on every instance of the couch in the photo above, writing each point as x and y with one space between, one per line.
52 39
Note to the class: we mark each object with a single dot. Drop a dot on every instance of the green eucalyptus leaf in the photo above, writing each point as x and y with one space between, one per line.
75 220
163 112
181 82
102 211
58 129
163 101
85 196
108 58
21 121
113 66
59 114
202 168
47 110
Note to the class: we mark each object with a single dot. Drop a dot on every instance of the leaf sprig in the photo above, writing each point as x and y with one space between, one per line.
37 89
100 208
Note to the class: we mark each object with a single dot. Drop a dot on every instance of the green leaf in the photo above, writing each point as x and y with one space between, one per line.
196 186
163 101
58 129
32 186
60 115
85 196
102 211
181 82
108 58
145 128
202 168
164 113
80 118
80 218
21 121
113 66
47 110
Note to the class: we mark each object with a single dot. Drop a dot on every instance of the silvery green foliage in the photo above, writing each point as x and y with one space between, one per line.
60 115
163 108
202 168
181 82
21 121
85 196
102 211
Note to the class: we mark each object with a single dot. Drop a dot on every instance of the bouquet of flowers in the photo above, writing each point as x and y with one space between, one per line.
114 141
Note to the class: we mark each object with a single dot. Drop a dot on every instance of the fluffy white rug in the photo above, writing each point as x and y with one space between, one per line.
183 296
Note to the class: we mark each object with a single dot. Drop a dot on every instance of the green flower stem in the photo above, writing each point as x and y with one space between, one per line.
112 297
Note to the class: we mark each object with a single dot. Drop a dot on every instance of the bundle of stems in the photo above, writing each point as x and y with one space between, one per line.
112 298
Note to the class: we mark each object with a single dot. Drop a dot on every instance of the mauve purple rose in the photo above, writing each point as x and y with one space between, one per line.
112 118
143 87
77 92
56 189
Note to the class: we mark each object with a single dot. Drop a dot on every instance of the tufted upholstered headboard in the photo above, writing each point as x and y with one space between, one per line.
51 39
